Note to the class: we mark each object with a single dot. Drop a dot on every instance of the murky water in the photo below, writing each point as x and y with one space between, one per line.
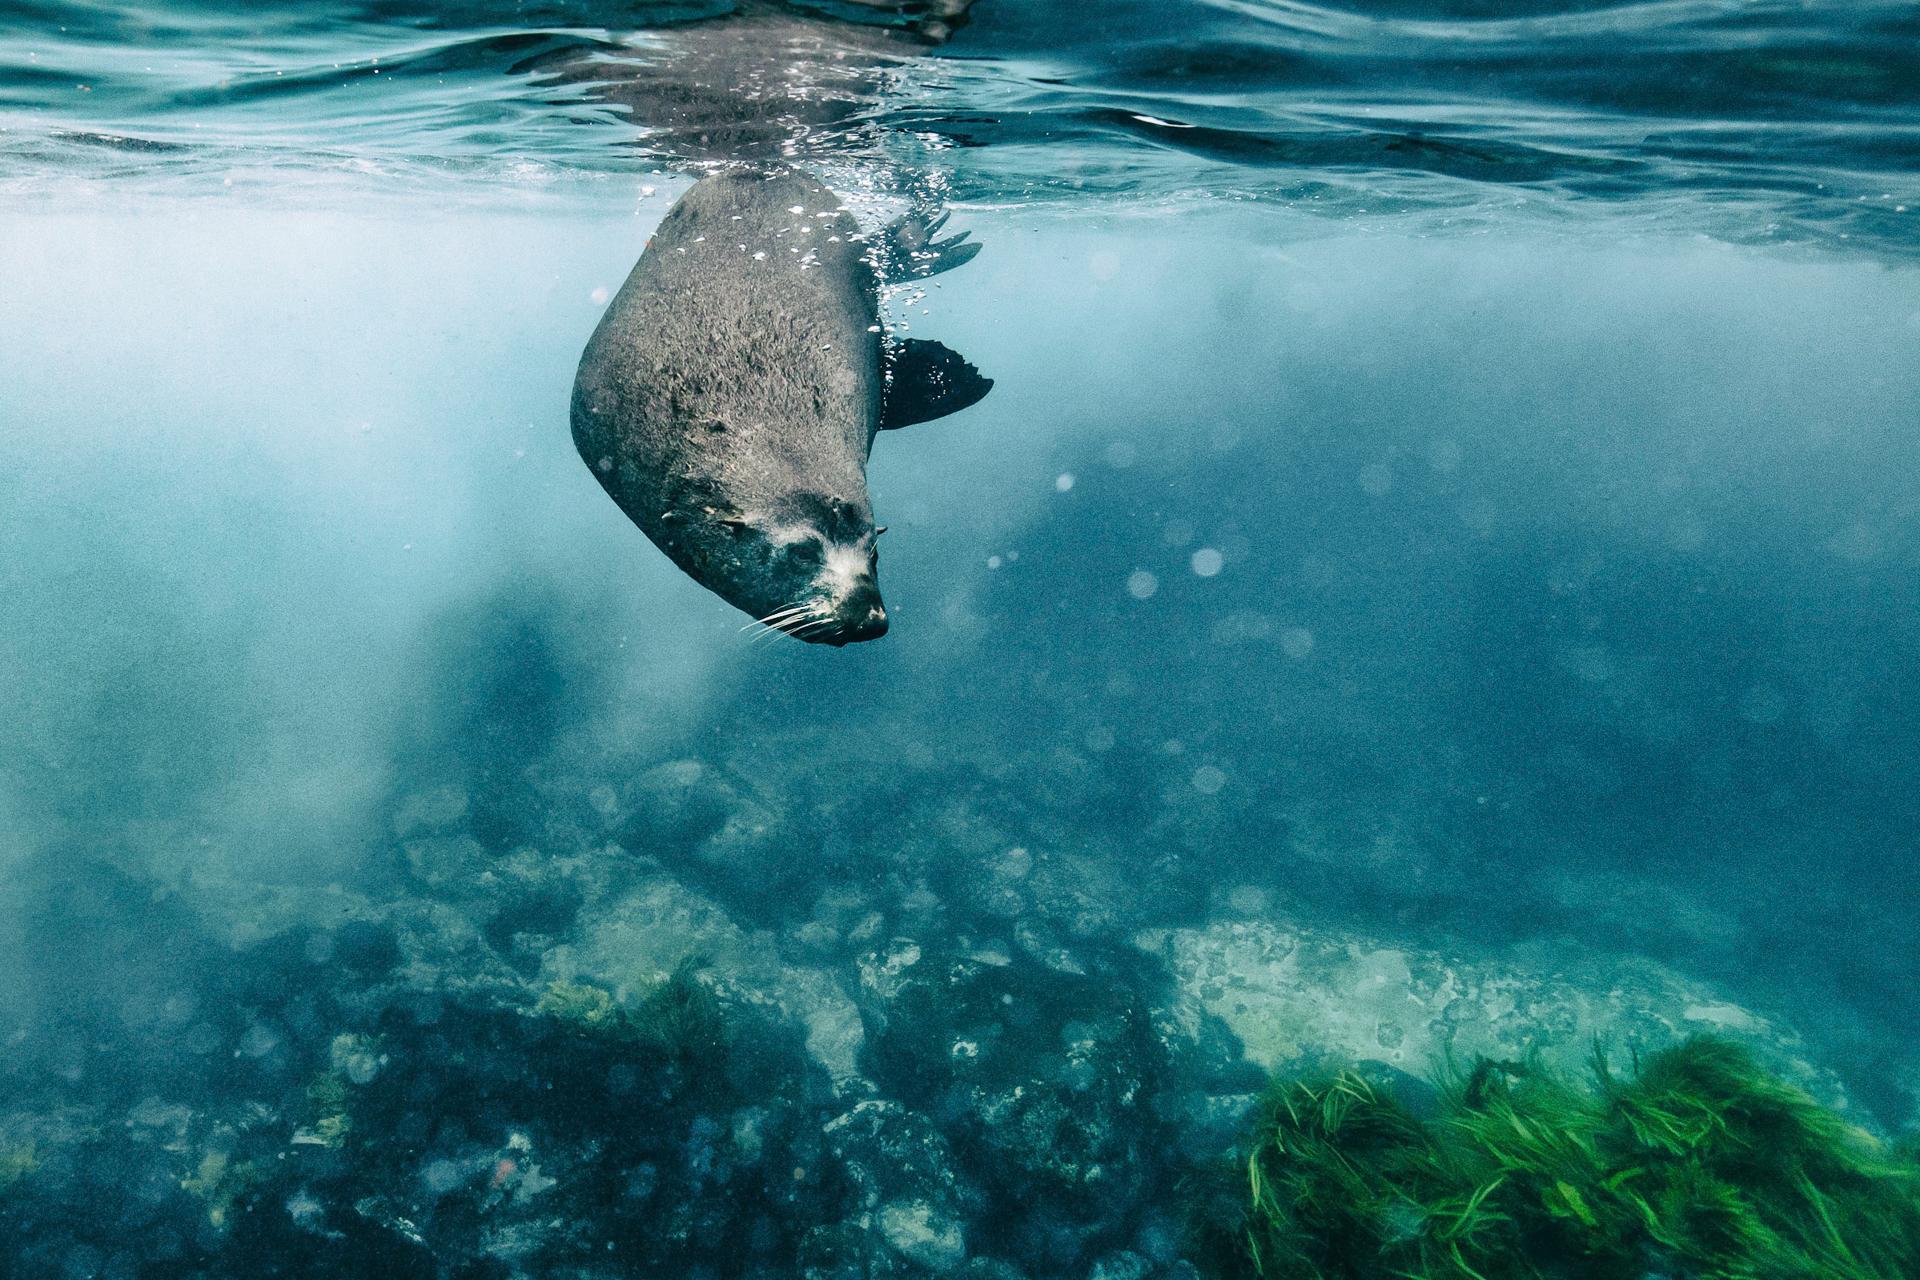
1435 576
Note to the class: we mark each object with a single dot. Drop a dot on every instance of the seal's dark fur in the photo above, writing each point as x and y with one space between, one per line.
730 396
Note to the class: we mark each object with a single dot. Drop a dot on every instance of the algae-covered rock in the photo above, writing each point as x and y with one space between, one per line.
923 1234
1044 1078
1296 995
848 1251
629 942
890 1154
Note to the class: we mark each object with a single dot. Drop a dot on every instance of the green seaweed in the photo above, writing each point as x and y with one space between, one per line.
1700 1165
327 1098
587 1007
220 1181
679 1019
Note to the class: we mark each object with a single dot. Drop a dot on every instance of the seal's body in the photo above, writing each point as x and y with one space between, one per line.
729 398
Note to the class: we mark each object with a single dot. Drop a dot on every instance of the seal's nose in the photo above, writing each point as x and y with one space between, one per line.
862 616
868 623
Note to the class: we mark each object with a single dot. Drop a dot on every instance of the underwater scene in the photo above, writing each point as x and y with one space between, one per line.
1386 744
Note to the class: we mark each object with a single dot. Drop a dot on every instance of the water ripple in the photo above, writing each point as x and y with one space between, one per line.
1782 120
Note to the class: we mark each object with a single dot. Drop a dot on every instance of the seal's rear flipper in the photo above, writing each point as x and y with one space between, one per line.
926 380
909 251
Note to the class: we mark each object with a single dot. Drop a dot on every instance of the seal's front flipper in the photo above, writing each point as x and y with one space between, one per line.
909 251
926 380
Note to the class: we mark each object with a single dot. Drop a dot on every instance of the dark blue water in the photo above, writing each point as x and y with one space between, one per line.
1438 574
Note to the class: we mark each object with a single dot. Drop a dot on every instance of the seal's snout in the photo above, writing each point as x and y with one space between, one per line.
868 625
861 616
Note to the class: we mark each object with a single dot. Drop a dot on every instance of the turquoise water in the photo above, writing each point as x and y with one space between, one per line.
1436 574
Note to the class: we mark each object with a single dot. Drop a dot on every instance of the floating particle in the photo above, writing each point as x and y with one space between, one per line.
1243 626
1122 454
994 562
1248 900
1208 780
599 296
1141 584
1177 533
1296 642
1207 562
1063 481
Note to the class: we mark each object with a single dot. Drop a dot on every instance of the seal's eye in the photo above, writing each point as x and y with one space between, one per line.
806 553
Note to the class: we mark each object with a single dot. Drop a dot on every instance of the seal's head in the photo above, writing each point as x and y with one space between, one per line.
807 565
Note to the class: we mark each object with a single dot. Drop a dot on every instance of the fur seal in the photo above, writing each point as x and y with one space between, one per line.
732 391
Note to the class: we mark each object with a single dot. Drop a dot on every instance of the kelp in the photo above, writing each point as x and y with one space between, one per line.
1701 1164
679 1019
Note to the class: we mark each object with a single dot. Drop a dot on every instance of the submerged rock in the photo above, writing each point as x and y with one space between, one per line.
1043 1079
923 1234
1296 996
904 1175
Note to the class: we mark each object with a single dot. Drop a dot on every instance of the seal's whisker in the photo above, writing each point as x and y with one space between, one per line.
778 619
800 628
774 618
785 626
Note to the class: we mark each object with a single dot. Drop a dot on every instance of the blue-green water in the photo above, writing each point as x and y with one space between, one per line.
1436 573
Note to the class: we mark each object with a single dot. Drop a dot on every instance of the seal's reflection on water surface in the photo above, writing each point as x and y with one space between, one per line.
765 80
